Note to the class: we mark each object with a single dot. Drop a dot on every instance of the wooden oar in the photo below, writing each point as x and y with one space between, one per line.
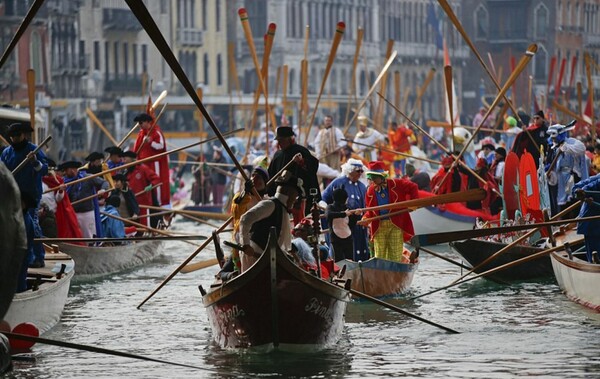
101 126
31 156
90 197
158 100
20 30
154 230
469 195
93 349
386 66
207 242
436 238
393 151
181 212
152 238
145 18
148 190
570 113
421 91
431 252
399 310
500 268
199 265
448 82
518 240
337 38
495 78
127 165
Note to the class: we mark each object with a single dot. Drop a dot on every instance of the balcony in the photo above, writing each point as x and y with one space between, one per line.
591 40
190 37
121 20
70 65
123 84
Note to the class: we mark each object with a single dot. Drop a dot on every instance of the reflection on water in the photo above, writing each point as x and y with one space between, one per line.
523 329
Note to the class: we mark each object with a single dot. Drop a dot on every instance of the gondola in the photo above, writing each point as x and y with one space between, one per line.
379 277
275 304
577 278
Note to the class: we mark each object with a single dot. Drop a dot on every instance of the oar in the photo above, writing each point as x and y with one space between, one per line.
158 100
153 238
183 213
127 165
337 38
146 20
199 265
436 238
394 151
206 243
90 197
399 310
469 195
32 155
518 240
127 221
386 66
93 349
24 24
101 126
500 268
431 252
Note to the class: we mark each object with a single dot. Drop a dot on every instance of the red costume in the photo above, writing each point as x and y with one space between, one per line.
139 177
66 219
398 190
156 145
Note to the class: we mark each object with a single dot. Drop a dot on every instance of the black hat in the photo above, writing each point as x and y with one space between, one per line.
501 151
143 117
113 150
51 163
489 146
340 195
94 156
69 164
288 179
129 153
114 200
524 117
540 113
120 177
18 128
284 131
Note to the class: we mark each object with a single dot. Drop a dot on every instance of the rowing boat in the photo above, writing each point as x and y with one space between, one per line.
93 261
276 305
577 278
379 277
42 304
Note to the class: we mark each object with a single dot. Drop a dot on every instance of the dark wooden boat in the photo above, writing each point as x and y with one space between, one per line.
476 251
379 277
276 305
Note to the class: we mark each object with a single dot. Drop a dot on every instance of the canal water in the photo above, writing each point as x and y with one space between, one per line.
527 329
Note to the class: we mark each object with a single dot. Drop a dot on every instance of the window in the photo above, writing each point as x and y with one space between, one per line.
126 59
116 59
257 16
218 15
36 56
144 58
219 70
135 59
481 23
206 62
541 22
96 55
106 60
204 14
540 61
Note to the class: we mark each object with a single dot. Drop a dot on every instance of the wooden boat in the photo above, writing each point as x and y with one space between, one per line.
43 303
276 305
450 217
94 261
577 278
476 251
379 277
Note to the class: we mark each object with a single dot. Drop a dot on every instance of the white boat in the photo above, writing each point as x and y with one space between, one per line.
95 261
577 278
43 304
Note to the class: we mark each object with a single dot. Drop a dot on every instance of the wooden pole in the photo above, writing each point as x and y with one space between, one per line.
421 92
99 124
35 6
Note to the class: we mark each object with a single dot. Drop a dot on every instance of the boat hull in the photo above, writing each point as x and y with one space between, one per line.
379 277
94 261
276 304
578 279
44 306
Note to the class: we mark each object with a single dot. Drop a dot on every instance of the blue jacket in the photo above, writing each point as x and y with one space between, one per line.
29 178
111 227
589 185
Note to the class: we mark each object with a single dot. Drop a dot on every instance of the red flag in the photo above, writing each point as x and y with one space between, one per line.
573 69
563 63
149 109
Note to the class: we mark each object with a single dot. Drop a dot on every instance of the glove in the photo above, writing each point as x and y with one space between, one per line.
248 186
148 188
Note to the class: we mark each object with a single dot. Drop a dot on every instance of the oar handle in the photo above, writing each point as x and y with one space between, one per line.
234 245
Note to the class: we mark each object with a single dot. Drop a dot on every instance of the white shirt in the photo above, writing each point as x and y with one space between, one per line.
51 198
327 140
370 137
260 211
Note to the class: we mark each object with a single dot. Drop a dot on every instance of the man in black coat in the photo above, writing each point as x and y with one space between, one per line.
306 168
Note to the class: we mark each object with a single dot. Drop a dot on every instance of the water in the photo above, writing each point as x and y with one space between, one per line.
528 329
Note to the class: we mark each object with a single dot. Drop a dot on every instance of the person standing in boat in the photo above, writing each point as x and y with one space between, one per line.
115 156
141 178
256 223
129 207
367 137
150 142
588 190
305 168
352 171
88 211
112 227
388 234
95 165
29 178
341 224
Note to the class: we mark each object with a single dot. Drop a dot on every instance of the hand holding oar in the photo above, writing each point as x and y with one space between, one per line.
91 197
500 268
31 155
399 310
148 189
100 125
